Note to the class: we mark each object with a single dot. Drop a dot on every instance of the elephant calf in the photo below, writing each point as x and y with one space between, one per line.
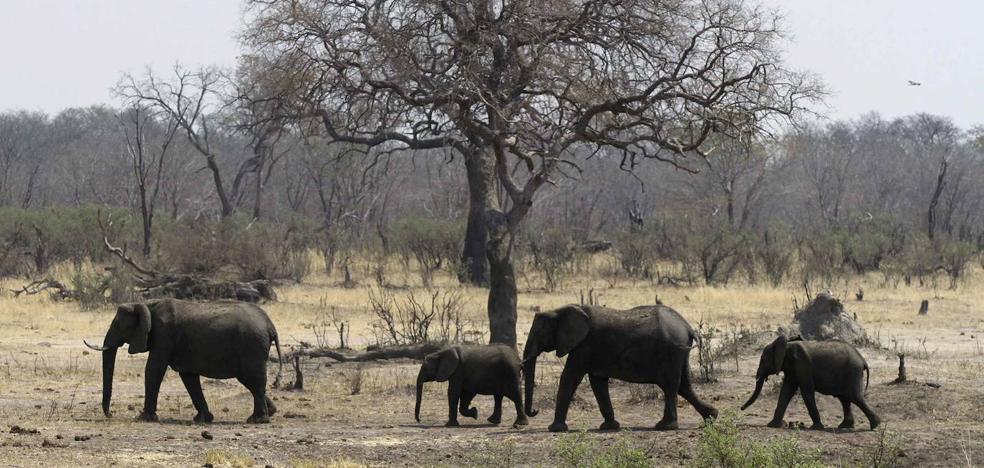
474 370
828 367
219 341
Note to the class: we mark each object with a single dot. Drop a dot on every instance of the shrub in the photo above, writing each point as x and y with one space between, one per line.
552 253
439 316
433 243
775 253
578 450
722 445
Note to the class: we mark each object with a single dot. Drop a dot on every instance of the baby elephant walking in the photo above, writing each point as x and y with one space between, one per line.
828 367
474 370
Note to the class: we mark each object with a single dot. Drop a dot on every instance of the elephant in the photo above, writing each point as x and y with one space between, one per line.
829 367
646 344
219 340
474 370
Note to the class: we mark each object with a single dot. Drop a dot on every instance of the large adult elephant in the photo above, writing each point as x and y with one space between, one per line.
646 344
217 340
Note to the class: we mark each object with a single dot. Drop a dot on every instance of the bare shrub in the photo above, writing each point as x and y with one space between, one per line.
328 323
439 316
433 243
552 254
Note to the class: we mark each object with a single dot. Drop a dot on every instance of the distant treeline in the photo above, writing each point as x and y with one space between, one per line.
902 197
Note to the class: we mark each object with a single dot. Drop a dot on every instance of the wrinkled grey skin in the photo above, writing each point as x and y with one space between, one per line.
646 344
474 370
219 341
829 367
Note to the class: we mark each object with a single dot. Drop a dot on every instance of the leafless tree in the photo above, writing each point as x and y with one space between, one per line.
148 137
515 88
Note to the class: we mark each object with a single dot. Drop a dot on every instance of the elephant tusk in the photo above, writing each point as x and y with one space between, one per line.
96 348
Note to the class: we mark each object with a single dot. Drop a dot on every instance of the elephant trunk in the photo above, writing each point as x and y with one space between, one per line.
109 363
420 392
755 394
529 376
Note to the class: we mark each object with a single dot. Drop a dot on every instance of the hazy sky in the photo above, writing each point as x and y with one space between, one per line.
62 53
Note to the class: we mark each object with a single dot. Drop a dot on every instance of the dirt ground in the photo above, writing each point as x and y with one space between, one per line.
355 414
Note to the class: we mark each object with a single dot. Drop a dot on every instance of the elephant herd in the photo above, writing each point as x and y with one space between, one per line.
646 344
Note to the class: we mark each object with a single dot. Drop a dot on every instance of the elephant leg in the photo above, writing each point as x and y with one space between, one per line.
599 385
515 395
809 399
193 384
569 380
255 382
848 422
786 394
873 419
496 416
153 376
271 408
687 392
454 396
670 391
465 407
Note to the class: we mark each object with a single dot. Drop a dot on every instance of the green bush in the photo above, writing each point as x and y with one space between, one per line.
722 445
32 241
579 450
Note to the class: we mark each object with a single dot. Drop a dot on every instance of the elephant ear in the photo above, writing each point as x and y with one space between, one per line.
573 324
447 363
141 333
779 352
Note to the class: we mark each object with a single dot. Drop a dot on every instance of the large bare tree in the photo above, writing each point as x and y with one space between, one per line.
518 88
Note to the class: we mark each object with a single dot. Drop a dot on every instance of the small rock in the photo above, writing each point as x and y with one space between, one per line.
59 436
208 465
129 407
49 444
15 429
207 435
82 438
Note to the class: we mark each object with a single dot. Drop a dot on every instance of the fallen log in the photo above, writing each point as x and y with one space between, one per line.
415 351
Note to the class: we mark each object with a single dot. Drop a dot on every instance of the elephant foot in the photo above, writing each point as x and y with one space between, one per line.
205 417
846 424
470 413
147 417
452 423
557 427
521 421
667 425
612 425
709 413
817 427
495 419
271 408
874 422
258 419
775 423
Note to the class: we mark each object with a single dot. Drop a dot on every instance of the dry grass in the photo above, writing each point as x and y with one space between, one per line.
49 381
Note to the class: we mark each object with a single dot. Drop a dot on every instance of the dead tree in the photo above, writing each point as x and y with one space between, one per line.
152 283
517 93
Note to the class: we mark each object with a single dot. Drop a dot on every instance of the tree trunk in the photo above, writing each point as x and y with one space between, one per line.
481 178
935 200
502 281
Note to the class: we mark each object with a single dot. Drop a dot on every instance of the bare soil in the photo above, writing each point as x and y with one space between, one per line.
363 413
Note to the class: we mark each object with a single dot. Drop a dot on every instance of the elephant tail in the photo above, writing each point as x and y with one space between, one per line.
280 358
867 378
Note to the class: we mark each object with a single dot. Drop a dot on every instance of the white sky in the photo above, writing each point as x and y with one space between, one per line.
63 53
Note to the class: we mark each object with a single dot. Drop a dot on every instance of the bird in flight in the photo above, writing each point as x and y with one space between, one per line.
914 83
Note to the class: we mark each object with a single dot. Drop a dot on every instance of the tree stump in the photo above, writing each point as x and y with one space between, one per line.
924 307
859 295
902 375
298 376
